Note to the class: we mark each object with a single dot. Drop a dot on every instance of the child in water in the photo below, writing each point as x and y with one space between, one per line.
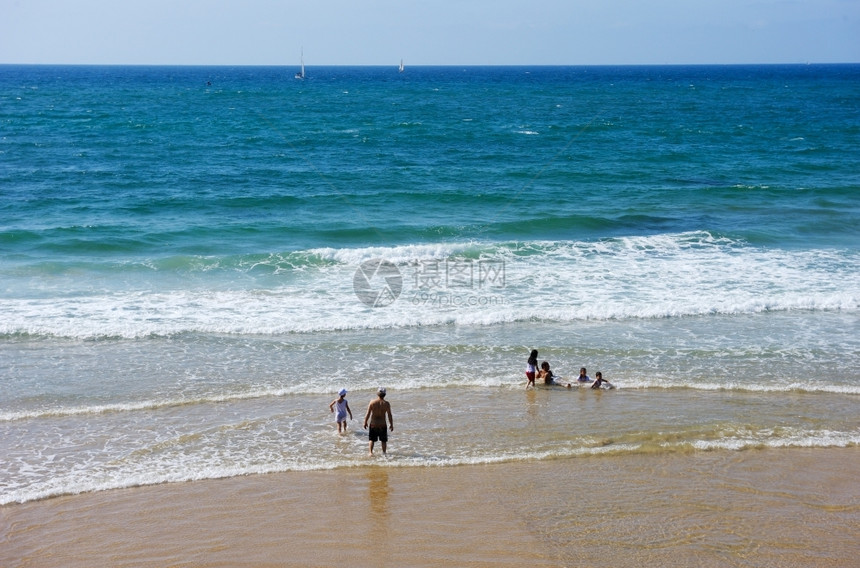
599 380
583 378
546 374
531 368
342 409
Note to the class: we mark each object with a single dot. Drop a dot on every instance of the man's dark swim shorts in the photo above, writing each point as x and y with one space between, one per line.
378 434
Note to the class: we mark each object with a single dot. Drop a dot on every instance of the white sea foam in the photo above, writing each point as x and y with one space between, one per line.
95 409
823 439
192 468
636 277
815 385
415 383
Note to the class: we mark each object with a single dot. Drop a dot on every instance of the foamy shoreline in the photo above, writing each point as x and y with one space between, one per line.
794 507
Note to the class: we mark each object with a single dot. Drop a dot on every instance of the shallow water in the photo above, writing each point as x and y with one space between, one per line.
195 260
218 406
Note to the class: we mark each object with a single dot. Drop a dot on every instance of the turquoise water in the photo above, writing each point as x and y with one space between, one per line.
189 261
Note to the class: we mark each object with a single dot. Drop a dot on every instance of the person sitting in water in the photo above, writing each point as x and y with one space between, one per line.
583 378
599 380
547 375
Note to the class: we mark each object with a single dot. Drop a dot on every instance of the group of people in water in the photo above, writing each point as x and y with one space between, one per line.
378 419
533 372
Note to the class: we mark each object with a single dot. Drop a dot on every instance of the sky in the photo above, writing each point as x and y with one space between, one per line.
429 32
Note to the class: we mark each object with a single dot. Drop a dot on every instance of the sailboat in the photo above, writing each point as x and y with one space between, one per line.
301 74
400 69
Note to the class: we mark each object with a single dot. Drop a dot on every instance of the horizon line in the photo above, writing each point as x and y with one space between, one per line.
382 65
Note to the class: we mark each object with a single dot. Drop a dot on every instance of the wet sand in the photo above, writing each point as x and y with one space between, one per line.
793 507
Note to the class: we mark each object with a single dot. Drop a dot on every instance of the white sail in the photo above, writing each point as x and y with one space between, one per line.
401 66
301 74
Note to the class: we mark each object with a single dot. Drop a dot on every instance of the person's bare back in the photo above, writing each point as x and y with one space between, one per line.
378 410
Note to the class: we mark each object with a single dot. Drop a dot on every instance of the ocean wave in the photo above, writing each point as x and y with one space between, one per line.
816 386
144 405
172 315
406 384
281 262
437 284
118 478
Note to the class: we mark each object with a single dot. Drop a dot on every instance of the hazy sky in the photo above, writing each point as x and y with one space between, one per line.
440 32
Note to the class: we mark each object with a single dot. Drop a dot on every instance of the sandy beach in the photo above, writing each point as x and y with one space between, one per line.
794 507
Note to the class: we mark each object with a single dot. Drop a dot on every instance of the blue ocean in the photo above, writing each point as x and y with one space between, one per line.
194 260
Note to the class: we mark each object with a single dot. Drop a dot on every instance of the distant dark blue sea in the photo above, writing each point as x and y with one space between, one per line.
175 239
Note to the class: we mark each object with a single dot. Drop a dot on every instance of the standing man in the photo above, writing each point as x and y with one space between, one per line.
377 410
